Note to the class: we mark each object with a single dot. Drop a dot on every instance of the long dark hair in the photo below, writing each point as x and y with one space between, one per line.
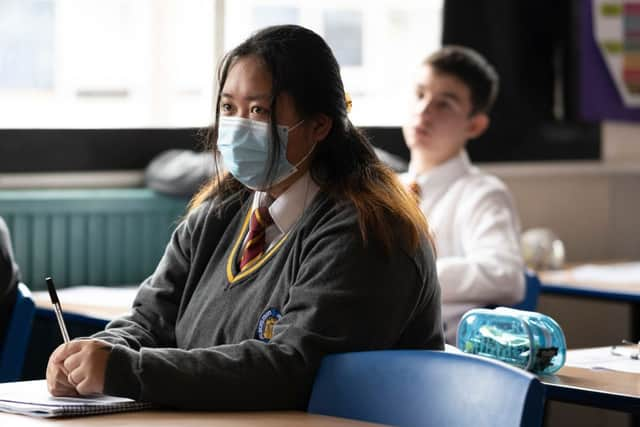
344 164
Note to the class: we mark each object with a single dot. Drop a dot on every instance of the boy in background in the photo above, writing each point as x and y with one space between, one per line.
471 213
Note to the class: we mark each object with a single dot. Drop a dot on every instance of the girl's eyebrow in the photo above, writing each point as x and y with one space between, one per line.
259 96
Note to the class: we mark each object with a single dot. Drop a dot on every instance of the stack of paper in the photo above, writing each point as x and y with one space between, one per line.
32 398
618 359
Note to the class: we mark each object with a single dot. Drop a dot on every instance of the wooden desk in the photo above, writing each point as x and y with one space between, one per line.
599 388
186 419
565 282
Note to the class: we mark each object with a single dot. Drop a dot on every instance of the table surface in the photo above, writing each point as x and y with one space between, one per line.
95 301
568 281
595 387
187 419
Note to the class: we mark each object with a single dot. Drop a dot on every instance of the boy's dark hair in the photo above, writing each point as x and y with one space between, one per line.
470 68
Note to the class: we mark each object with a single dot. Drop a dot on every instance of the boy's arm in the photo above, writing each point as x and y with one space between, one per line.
492 269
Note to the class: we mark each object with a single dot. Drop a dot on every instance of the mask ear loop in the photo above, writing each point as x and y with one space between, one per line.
299 162
292 128
306 190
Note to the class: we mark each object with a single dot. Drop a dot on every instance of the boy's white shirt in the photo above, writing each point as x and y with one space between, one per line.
477 233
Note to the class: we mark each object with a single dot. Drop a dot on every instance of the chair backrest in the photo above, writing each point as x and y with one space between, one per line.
426 388
16 338
532 292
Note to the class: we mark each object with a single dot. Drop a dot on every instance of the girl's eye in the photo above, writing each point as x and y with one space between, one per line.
225 107
258 110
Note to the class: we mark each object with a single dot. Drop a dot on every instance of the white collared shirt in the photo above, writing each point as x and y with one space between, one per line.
288 208
477 233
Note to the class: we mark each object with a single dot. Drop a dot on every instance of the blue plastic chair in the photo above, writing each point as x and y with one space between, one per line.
16 340
532 292
426 388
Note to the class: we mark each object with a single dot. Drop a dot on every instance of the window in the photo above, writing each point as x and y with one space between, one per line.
343 32
105 64
377 43
152 63
26 52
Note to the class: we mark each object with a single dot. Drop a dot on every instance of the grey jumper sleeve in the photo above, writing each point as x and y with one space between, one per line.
343 295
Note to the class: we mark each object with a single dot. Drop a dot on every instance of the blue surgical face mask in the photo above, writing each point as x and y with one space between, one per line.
244 145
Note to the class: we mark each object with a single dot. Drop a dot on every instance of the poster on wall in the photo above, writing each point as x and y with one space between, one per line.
616 29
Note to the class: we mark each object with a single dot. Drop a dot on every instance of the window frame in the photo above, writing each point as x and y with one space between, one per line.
73 150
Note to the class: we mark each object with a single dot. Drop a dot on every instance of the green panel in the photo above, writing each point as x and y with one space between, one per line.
133 246
114 248
96 249
59 249
40 250
96 237
78 262
148 237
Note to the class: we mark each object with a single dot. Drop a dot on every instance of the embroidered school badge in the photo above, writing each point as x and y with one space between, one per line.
265 324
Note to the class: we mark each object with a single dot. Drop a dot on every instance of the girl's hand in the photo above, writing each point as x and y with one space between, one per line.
78 368
57 376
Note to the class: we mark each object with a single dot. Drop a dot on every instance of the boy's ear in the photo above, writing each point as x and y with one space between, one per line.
321 126
478 124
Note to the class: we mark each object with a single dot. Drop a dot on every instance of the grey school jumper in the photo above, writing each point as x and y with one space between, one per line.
191 340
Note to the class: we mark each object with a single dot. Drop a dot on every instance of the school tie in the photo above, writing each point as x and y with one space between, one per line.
260 220
414 187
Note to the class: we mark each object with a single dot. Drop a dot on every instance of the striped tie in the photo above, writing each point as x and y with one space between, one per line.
260 220
414 187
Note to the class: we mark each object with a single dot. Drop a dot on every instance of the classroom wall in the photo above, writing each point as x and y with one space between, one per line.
592 206
620 142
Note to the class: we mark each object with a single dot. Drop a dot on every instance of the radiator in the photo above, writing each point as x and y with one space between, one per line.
88 237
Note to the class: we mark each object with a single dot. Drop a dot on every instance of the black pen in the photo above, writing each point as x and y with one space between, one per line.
57 308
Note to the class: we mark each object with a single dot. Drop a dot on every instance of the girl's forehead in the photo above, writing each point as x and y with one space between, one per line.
248 73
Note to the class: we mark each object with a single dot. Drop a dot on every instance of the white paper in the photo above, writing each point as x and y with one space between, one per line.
32 398
603 358
612 273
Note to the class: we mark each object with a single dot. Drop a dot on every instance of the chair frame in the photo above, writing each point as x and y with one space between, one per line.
532 292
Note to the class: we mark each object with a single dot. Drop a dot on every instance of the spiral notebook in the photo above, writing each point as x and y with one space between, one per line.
32 398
